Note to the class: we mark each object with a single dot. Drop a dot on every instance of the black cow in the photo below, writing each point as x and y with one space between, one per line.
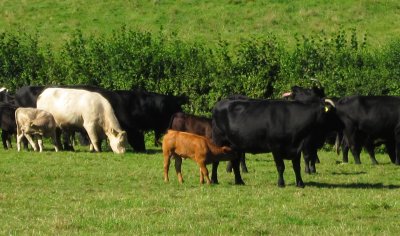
149 111
276 126
136 110
26 96
369 145
315 139
7 123
5 96
370 118
201 126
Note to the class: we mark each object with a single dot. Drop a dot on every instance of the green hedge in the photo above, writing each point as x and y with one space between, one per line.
257 67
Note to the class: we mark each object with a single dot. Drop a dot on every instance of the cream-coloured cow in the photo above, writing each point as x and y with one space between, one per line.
78 108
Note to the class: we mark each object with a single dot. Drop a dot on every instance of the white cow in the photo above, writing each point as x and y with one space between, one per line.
36 122
78 108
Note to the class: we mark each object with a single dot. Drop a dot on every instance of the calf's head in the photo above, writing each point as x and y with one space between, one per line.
117 141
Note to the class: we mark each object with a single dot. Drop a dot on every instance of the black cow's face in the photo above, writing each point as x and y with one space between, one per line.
304 94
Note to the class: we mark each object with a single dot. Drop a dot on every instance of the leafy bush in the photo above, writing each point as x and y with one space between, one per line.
256 67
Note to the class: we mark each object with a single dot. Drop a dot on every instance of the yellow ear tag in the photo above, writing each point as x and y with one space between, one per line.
326 109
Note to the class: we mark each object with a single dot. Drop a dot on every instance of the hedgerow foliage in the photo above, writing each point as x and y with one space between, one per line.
256 67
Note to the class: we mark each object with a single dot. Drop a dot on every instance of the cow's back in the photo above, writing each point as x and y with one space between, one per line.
73 106
377 115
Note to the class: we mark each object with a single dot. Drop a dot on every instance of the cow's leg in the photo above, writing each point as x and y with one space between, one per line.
136 140
157 137
214 172
297 170
354 142
58 136
306 157
345 152
370 147
55 142
30 140
397 140
229 166
67 140
8 139
201 176
204 172
4 139
236 171
243 163
310 158
19 138
40 142
280 166
91 130
178 168
391 150
167 160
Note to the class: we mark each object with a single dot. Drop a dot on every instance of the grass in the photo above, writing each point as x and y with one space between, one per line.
206 21
103 193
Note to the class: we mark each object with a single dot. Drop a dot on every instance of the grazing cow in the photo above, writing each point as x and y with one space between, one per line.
81 109
370 118
201 126
198 148
276 126
136 110
35 122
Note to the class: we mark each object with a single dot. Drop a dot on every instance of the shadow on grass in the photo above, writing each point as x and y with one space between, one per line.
353 185
349 173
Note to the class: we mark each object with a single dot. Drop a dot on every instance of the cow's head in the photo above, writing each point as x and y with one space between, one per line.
117 141
305 94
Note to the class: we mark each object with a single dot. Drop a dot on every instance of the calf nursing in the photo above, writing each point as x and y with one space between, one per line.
198 148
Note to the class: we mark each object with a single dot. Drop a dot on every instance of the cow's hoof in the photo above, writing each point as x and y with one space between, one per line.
239 182
214 181
300 185
281 184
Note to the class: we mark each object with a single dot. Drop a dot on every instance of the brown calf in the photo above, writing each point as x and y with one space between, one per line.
198 148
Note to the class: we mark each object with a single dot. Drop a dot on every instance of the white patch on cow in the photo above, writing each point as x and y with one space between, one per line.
3 89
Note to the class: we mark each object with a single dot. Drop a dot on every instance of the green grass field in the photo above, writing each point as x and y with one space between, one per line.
104 193
207 21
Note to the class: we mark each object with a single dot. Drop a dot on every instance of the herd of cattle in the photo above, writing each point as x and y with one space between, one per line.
301 122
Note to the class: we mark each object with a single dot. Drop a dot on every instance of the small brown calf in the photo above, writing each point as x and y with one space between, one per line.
198 148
